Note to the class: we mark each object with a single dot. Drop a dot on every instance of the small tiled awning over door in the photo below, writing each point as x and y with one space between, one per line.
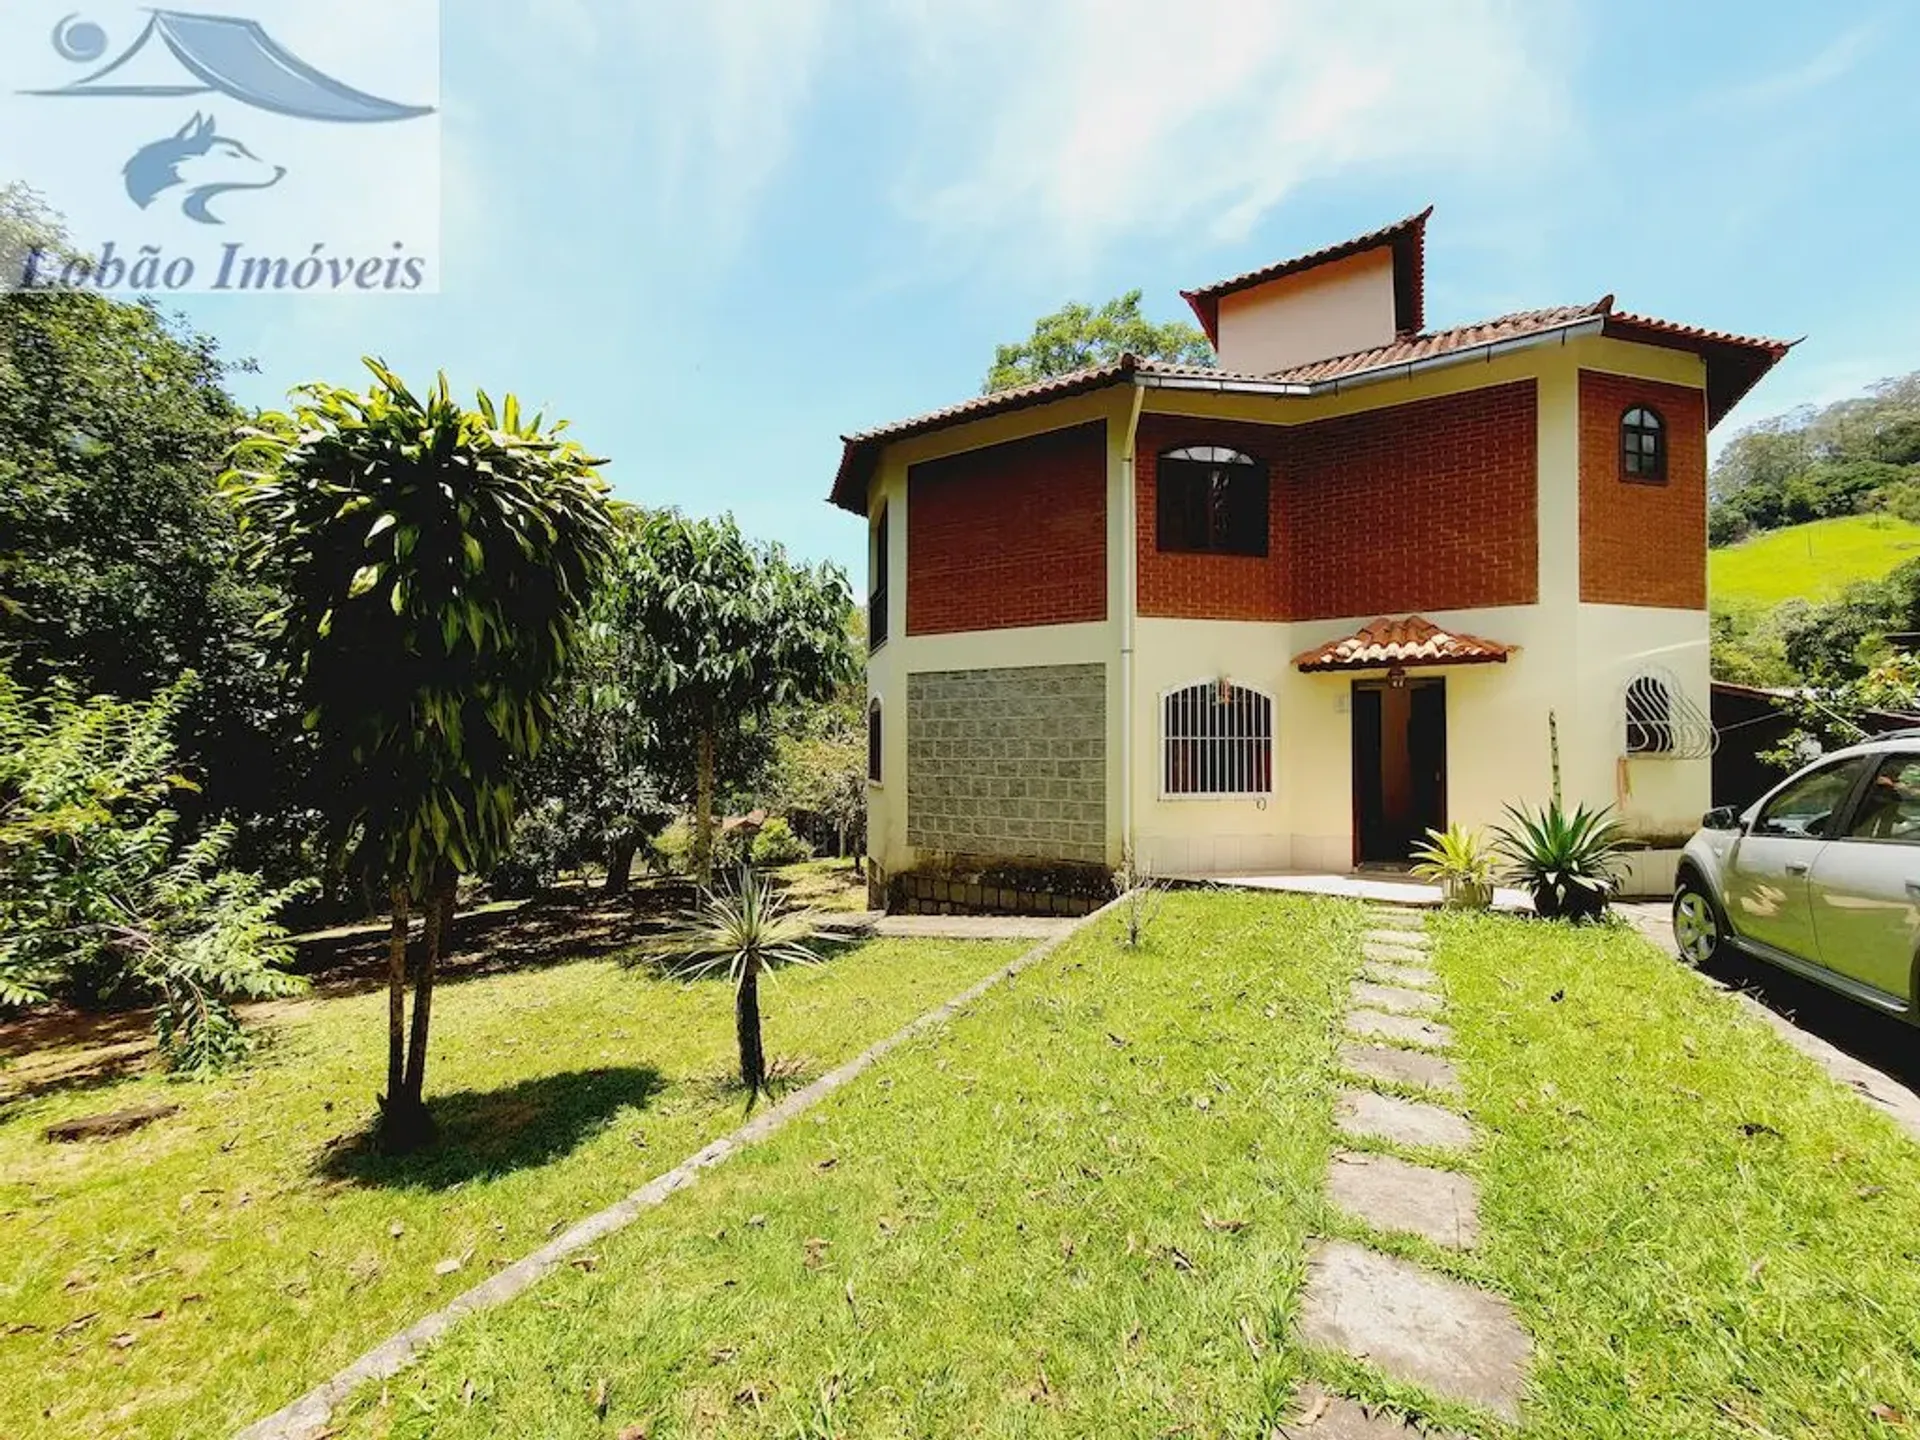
1387 644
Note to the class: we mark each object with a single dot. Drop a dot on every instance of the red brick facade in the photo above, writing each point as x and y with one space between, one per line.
1642 543
1012 535
1431 505
1209 587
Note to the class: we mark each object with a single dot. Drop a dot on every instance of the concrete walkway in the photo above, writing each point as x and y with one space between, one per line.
1414 1325
954 927
1378 888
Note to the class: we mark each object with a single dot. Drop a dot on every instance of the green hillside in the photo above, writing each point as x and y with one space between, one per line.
1814 561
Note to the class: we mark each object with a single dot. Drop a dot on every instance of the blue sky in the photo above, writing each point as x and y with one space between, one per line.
718 235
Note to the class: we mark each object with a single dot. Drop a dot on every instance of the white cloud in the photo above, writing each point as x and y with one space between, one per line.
1091 121
1833 61
695 105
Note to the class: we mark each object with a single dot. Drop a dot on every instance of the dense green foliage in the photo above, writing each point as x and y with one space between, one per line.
438 563
734 633
117 552
1076 336
98 892
1853 455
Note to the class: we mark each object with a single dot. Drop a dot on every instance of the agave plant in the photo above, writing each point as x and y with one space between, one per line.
1568 861
746 931
1461 862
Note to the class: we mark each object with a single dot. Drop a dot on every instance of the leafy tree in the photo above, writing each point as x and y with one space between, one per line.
820 765
438 562
98 893
1827 717
118 573
733 632
590 795
1076 336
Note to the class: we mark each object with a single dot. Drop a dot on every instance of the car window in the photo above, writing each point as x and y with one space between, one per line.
1806 808
1890 808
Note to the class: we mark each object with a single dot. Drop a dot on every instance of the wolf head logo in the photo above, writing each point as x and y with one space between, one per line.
201 162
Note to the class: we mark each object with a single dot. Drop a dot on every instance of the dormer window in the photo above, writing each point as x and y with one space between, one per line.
1643 445
1212 500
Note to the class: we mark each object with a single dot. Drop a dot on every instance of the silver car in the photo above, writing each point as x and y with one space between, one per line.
1821 876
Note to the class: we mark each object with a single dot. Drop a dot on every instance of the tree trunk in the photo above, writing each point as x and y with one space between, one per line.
439 920
620 864
396 994
703 811
746 1022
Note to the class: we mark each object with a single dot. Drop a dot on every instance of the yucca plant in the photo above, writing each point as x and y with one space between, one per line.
746 931
1568 861
1461 862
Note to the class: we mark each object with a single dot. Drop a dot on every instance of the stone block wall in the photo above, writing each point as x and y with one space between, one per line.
1009 762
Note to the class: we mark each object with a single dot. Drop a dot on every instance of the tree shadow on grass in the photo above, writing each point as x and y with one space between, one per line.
488 1133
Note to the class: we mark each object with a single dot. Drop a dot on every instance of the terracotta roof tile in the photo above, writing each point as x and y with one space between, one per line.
1408 237
1734 364
1442 342
1416 640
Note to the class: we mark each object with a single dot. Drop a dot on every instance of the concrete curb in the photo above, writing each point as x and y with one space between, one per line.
307 1417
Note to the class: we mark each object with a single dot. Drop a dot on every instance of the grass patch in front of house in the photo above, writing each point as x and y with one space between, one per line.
1074 1211
1705 1236
190 1277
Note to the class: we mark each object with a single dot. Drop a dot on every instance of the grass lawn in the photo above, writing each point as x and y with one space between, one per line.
191 1277
833 885
1704 1235
1082 1210
1815 561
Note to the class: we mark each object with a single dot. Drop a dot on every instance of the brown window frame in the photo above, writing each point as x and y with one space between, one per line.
1214 503
1641 464
875 735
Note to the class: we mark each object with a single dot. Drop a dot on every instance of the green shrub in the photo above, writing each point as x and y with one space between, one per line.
95 889
776 844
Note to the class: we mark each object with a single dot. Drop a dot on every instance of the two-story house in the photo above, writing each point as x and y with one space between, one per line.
1361 580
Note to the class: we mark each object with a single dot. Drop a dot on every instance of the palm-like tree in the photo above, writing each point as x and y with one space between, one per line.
438 563
746 931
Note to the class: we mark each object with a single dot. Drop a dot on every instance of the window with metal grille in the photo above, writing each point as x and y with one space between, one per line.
1657 718
1216 738
1643 444
1212 499
1649 716
873 742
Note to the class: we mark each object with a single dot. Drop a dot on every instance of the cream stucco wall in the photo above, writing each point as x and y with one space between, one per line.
1574 660
1332 309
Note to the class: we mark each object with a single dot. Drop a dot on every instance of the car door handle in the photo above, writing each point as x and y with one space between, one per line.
1796 867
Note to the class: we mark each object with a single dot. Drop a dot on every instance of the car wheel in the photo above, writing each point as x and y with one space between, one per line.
1698 928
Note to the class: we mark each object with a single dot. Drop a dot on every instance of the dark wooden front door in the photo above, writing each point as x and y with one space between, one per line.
1399 767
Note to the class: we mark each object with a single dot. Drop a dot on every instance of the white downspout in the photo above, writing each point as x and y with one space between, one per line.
1129 605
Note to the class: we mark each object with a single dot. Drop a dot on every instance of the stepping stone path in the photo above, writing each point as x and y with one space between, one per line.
1412 1324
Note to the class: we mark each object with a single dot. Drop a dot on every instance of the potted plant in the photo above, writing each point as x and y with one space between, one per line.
1569 862
1461 862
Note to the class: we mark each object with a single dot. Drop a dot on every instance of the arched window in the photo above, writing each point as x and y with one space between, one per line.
1216 738
1643 444
1211 499
873 742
